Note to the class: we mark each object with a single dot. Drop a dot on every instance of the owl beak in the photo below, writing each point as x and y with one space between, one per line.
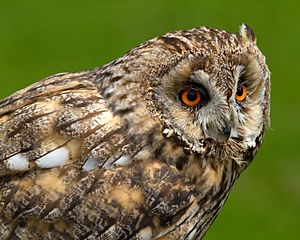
227 131
220 133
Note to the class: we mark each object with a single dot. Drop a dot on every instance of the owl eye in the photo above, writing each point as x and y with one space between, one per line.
241 93
193 96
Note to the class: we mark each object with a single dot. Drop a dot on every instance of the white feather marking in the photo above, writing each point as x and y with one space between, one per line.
251 142
90 164
105 117
144 154
55 213
17 162
56 158
168 132
123 160
145 233
234 133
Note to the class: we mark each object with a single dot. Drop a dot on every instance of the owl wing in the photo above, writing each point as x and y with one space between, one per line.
147 200
61 120
56 141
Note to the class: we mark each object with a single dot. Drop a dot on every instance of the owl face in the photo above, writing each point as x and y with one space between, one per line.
217 101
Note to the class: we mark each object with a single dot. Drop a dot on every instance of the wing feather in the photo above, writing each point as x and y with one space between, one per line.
52 119
146 200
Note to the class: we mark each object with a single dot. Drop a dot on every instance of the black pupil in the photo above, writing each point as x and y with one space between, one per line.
239 91
192 95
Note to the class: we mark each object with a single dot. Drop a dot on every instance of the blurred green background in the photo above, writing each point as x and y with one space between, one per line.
39 38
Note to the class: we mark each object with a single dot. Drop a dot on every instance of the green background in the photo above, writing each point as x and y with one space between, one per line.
39 38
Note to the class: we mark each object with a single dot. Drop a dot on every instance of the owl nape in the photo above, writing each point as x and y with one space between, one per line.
145 147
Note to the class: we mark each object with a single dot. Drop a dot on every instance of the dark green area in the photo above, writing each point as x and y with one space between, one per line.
39 38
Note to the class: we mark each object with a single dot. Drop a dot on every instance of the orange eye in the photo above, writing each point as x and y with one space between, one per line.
190 97
241 93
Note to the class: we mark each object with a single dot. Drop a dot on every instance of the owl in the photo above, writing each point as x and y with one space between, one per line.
145 147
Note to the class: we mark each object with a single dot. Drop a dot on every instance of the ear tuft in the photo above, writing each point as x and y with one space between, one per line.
247 33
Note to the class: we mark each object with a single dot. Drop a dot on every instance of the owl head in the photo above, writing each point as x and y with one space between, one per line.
212 96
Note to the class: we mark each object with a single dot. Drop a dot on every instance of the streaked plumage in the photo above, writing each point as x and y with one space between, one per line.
113 153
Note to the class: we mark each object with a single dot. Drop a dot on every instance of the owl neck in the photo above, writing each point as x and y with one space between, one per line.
213 183
212 174
212 178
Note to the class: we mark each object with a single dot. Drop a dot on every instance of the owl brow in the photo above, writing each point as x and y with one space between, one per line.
242 80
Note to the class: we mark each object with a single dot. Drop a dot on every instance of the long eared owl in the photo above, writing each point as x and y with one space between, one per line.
145 147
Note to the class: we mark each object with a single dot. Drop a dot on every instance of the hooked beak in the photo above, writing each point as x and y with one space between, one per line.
227 131
220 131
